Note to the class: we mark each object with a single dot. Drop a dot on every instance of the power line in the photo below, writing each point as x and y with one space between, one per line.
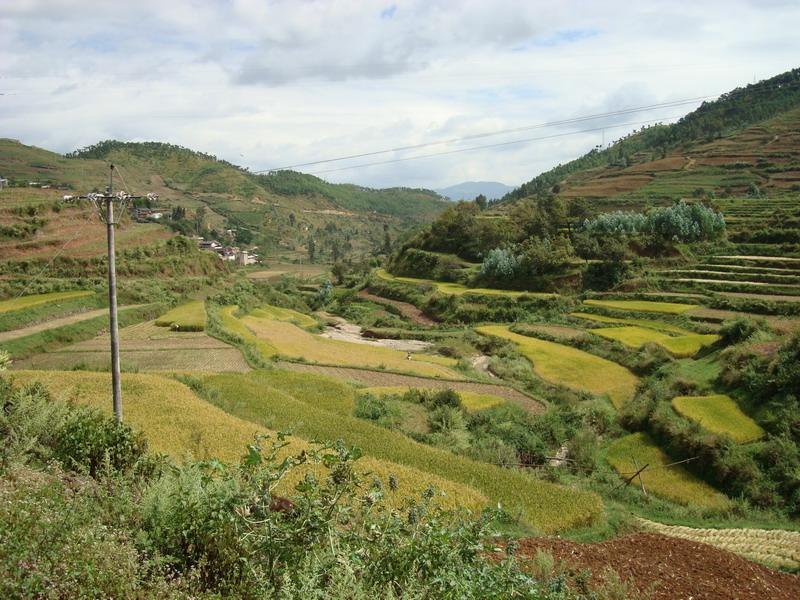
579 119
471 148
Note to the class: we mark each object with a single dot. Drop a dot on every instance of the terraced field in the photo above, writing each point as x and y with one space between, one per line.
27 302
286 339
673 483
718 414
672 308
472 401
176 422
657 325
457 289
563 365
145 347
187 317
288 401
379 379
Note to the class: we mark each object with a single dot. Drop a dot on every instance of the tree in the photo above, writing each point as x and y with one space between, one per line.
481 202
200 220
387 241
311 245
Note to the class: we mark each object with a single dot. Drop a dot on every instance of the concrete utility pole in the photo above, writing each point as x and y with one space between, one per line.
112 299
104 203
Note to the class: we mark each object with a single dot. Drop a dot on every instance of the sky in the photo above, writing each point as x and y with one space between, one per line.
267 84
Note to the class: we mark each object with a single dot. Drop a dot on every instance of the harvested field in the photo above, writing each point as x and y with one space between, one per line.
561 332
643 306
670 568
674 483
409 311
564 365
718 414
769 297
146 347
279 270
776 548
284 314
780 324
378 379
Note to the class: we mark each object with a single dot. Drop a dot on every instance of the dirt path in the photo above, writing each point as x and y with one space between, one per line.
377 378
672 569
409 311
53 323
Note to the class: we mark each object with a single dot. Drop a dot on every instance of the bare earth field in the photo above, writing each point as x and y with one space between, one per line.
146 347
670 568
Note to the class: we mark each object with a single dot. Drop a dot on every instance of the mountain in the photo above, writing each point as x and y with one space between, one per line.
281 211
745 142
468 190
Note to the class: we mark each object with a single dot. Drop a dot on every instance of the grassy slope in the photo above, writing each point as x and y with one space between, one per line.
27 302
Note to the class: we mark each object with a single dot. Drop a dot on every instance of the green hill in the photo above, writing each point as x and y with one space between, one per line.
748 137
279 212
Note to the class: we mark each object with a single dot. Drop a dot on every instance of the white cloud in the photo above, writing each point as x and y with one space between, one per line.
273 83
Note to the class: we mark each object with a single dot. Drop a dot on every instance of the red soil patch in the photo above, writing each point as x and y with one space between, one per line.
670 568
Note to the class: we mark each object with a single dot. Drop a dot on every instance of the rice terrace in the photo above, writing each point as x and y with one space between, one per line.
584 386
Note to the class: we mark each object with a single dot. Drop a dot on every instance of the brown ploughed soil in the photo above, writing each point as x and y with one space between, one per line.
665 568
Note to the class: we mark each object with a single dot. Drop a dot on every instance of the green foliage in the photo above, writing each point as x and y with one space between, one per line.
88 441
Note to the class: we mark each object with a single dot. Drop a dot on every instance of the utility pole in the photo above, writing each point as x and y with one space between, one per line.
104 203
112 299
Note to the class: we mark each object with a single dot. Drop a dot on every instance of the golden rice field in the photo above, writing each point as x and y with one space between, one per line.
673 483
672 308
774 547
279 401
719 414
176 422
25 302
277 313
186 317
564 365
682 346
234 325
657 325
289 340
457 289
472 401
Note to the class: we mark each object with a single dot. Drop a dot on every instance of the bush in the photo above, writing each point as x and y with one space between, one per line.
89 441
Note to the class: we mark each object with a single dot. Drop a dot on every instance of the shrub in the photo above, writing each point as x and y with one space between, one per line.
89 441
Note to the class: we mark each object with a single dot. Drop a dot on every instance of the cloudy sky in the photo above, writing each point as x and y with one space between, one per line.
266 83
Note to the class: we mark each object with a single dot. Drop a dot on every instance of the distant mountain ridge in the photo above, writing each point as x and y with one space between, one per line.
468 190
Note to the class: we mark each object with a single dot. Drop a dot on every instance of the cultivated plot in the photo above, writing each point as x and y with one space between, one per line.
719 414
564 365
